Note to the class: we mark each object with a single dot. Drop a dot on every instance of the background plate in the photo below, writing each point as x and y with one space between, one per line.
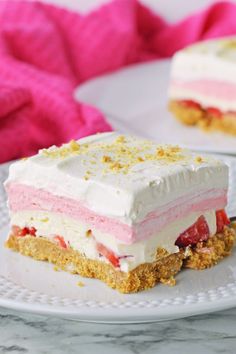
33 286
135 101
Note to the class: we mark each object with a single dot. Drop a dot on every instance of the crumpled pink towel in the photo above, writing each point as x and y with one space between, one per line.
46 51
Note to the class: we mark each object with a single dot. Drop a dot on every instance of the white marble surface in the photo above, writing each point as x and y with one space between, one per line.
28 333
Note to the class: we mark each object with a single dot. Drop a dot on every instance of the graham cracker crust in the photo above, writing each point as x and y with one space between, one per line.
203 119
209 253
143 277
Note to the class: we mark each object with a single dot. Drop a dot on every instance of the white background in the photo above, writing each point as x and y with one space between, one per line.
172 10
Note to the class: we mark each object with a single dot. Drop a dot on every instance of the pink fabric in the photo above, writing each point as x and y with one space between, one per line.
46 51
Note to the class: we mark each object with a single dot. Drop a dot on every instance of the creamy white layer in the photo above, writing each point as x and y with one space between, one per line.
130 256
129 195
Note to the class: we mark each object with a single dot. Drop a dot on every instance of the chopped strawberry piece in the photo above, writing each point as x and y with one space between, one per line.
191 104
16 230
60 240
214 112
21 232
198 232
108 254
221 220
32 231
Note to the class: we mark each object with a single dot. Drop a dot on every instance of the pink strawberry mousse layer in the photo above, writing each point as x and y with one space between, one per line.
211 88
23 197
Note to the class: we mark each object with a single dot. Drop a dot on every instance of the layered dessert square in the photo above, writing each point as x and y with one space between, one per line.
202 87
120 209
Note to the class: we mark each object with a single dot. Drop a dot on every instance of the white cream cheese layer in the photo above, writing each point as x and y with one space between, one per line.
130 256
128 194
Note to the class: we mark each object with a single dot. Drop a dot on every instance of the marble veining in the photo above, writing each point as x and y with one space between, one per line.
28 333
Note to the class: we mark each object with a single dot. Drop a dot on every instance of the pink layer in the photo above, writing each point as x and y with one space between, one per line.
23 197
211 88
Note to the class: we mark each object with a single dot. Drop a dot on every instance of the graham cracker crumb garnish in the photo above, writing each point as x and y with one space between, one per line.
116 166
160 152
169 153
44 219
124 157
230 44
175 149
88 233
81 284
73 148
106 159
199 159
120 139
119 156
74 145
87 175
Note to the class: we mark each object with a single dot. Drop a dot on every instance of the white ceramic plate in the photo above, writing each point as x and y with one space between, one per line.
135 101
32 286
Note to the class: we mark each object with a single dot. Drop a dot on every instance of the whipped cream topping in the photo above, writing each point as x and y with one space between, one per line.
124 178
212 59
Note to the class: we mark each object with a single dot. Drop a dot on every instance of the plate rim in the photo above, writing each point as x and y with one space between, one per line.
103 315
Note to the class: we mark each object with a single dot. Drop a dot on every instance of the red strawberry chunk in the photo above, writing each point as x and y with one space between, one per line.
108 254
198 232
221 220
21 232
214 112
32 231
191 104
24 232
60 241
16 230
